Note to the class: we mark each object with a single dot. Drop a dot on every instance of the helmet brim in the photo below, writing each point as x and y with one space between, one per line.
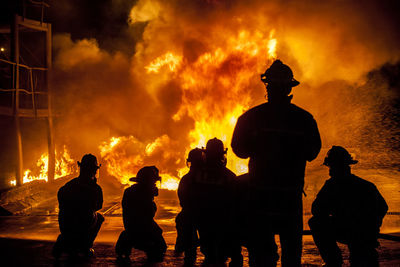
141 179
294 83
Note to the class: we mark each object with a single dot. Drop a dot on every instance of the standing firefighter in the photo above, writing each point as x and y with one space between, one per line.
79 199
279 138
349 210
187 238
138 211
213 199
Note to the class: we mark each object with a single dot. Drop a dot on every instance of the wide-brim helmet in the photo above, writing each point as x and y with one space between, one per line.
147 174
215 147
196 155
338 156
279 73
88 161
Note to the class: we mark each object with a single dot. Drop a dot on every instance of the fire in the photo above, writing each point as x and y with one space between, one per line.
230 67
222 129
43 164
219 121
118 163
64 166
168 59
124 156
272 45
169 182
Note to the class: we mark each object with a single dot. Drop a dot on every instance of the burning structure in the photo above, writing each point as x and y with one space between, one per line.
142 83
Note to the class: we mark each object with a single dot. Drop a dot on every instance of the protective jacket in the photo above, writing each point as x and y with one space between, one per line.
79 199
141 230
354 205
279 139
139 208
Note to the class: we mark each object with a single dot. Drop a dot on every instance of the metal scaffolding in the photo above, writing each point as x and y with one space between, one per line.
23 81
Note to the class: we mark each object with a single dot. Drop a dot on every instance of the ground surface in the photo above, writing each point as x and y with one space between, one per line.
27 240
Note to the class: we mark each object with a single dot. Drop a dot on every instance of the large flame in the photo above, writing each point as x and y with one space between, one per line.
64 166
229 66
188 71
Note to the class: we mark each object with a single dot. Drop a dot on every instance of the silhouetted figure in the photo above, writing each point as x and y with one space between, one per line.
349 210
138 211
79 199
279 138
212 203
187 239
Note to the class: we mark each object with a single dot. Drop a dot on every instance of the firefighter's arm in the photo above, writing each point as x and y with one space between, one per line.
320 206
181 191
313 140
99 199
241 139
382 206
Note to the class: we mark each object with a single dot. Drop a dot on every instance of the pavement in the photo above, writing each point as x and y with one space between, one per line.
29 252
27 240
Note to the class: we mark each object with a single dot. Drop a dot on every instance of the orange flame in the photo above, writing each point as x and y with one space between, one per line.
168 59
124 156
230 66
64 166
272 45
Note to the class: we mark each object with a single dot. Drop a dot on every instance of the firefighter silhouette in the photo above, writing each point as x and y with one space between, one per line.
187 237
79 199
349 210
138 211
212 194
279 138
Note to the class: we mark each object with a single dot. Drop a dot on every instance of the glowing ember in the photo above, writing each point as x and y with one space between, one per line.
64 166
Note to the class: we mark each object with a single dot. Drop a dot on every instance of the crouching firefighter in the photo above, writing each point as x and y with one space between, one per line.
79 199
348 210
138 211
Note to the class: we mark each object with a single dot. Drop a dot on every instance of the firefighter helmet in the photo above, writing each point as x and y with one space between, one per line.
88 161
215 147
279 73
147 174
195 155
337 156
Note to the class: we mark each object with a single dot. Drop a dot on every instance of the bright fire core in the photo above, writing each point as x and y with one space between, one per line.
230 66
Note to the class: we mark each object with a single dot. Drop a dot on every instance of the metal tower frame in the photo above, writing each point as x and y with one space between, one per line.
22 24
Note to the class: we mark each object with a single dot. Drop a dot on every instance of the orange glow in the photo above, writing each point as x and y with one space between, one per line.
124 156
168 59
118 163
272 45
168 182
230 66
64 166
